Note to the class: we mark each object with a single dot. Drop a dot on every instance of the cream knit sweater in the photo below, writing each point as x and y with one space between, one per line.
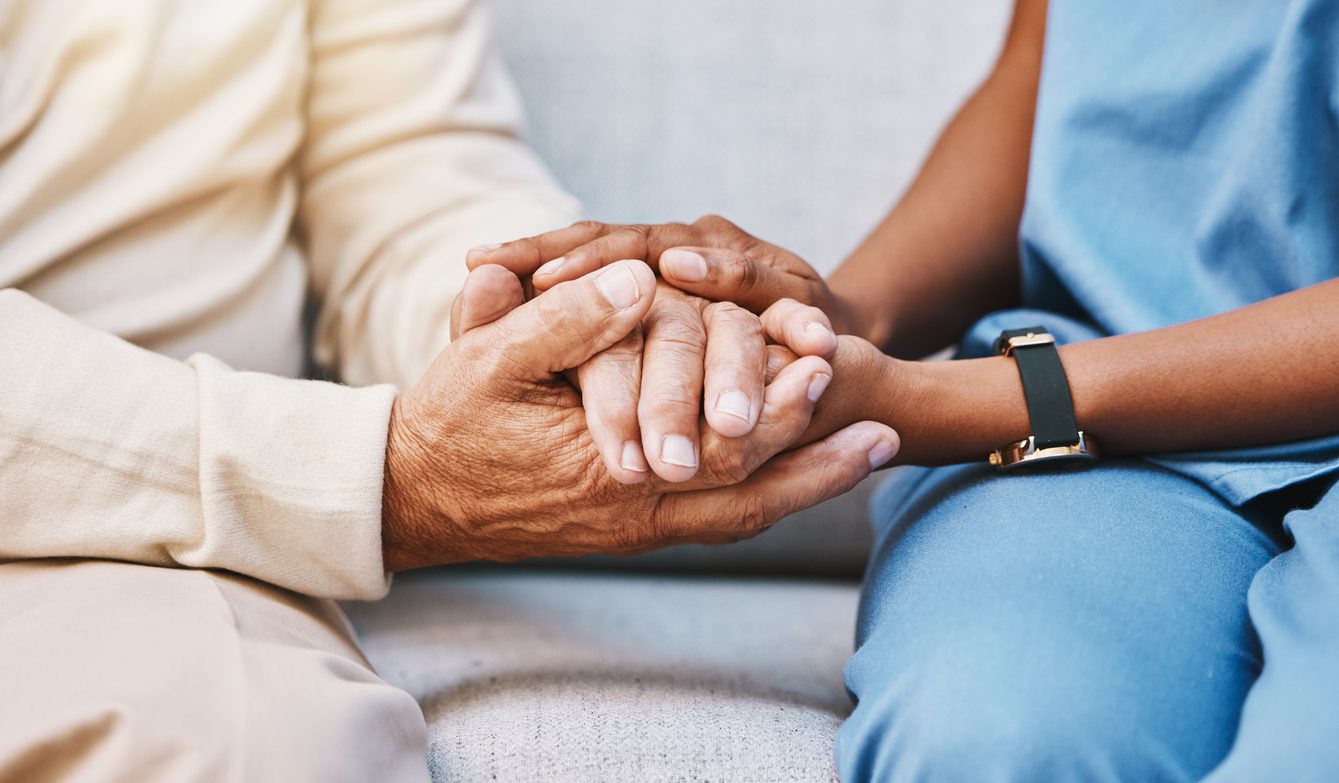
175 176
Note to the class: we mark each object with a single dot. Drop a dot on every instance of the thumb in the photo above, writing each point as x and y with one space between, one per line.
571 322
490 292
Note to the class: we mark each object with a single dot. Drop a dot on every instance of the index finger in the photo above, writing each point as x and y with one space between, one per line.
568 253
641 242
489 293
523 256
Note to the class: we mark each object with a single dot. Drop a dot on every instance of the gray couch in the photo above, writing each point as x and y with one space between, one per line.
801 121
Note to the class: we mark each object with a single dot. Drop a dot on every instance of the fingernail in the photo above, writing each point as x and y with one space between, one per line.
880 454
618 286
632 458
734 402
486 248
817 385
678 450
551 266
684 265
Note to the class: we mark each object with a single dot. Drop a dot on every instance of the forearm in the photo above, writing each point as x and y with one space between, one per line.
387 313
113 452
1266 373
401 174
948 252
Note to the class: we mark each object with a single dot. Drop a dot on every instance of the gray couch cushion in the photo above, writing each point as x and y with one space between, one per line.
563 676
801 120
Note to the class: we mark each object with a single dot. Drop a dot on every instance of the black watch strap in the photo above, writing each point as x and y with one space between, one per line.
1049 404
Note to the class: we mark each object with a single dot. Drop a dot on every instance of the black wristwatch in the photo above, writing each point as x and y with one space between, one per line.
1055 434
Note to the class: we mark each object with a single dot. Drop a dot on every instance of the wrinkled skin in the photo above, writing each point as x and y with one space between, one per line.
489 457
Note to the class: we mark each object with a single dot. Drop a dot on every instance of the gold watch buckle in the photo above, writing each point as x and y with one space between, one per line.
1024 340
1026 452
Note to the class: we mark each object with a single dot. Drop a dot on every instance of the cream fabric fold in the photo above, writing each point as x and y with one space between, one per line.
111 451
182 175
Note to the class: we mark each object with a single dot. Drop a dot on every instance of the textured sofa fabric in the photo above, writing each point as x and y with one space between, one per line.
801 120
562 676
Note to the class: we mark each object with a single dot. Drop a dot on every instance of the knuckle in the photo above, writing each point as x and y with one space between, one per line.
680 337
665 234
713 223
667 409
532 246
628 241
745 242
750 327
752 514
572 308
730 467
744 273
675 327
592 226
493 359
734 317
626 354
476 363
657 526
563 300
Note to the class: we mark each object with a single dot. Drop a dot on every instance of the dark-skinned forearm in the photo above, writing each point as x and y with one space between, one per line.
948 252
1266 373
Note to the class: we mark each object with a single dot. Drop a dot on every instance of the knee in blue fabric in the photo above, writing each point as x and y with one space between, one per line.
1057 626
1291 717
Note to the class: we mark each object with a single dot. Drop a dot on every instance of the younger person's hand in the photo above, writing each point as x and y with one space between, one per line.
711 257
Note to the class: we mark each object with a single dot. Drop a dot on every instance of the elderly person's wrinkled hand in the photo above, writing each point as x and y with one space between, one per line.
490 456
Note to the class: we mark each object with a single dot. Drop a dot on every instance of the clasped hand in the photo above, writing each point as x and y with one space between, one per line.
688 358
496 455
714 277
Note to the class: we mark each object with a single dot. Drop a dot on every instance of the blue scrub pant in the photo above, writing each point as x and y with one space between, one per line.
1119 623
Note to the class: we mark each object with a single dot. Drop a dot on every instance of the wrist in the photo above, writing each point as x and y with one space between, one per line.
855 314
957 411
405 519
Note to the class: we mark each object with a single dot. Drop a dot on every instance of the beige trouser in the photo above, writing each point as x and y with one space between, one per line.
111 671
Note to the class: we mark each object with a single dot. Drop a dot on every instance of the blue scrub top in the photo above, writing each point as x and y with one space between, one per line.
1185 162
